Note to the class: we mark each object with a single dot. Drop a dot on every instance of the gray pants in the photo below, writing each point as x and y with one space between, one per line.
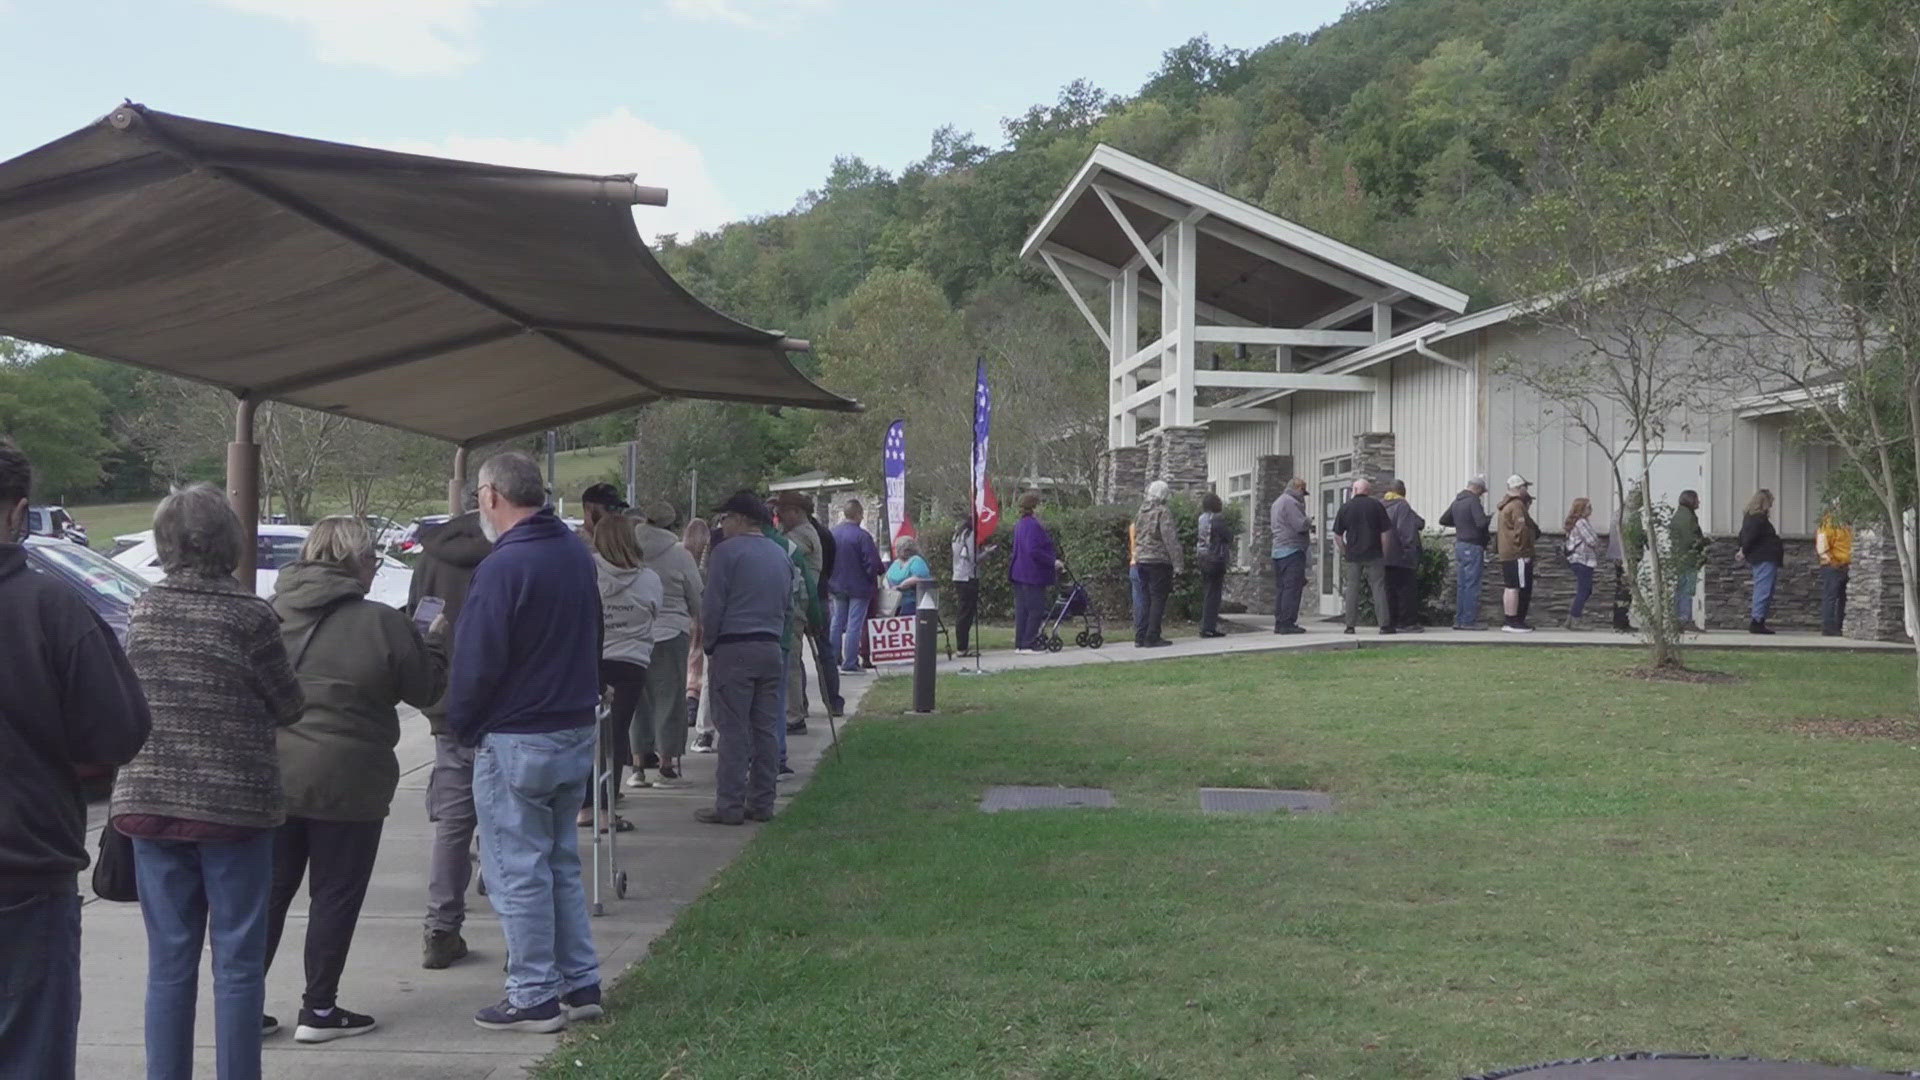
797 679
743 680
660 724
1375 572
450 808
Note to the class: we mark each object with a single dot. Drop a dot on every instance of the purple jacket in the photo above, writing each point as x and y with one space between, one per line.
1033 553
856 561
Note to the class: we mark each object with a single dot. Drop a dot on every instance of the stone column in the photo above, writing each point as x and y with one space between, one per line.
1875 609
1373 458
1123 474
1181 459
1270 475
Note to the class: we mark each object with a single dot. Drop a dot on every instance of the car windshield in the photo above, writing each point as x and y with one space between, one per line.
96 571
280 551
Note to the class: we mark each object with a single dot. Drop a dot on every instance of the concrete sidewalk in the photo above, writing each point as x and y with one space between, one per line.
426 1027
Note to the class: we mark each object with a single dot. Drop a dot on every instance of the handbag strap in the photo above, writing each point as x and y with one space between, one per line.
306 639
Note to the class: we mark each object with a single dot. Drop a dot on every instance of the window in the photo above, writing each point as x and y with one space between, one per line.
1240 493
1334 467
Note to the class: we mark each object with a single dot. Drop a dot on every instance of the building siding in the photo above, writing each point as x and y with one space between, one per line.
1324 424
1434 444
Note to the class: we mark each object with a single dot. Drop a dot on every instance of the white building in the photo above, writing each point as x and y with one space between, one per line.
1344 365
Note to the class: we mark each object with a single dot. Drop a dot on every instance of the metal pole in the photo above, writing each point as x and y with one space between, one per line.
457 485
926 626
553 441
633 473
243 489
693 495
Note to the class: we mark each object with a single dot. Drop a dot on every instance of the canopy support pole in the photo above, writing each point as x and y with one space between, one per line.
243 490
457 486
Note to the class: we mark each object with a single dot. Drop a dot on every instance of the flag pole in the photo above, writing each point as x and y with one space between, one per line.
973 506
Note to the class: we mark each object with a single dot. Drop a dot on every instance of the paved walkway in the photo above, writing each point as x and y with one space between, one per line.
426 1031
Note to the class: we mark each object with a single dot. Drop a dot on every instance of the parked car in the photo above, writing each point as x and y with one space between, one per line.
54 521
279 546
409 540
108 587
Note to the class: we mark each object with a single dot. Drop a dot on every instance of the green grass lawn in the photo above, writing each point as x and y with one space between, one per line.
1534 858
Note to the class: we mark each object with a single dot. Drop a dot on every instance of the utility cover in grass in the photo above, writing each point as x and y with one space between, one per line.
1046 798
1681 1067
1216 800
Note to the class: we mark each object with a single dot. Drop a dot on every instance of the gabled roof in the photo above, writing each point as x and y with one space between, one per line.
1253 265
463 301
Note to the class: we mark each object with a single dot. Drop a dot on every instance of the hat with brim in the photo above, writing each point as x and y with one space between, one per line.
746 504
604 494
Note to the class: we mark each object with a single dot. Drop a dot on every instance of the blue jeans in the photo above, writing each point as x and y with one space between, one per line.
186 891
1683 595
1472 562
1138 585
1582 589
39 984
849 622
527 790
1764 575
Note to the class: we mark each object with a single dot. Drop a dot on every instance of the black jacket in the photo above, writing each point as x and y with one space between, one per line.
69 698
1469 519
1365 530
1759 542
826 555
449 553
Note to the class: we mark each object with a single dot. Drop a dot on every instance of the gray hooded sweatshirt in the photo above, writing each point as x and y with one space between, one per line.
629 605
679 581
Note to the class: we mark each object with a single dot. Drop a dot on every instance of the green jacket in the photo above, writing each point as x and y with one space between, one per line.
809 604
336 761
1686 540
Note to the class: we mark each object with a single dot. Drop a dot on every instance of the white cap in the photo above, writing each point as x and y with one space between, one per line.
1516 481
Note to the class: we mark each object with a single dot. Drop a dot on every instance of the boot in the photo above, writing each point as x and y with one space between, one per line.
1758 626
440 948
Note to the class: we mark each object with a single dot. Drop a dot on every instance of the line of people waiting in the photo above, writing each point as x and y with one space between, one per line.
251 745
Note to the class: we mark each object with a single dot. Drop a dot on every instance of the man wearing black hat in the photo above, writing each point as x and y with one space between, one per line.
745 613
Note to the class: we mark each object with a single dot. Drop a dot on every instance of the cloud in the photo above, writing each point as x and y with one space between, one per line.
618 142
749 14
406 37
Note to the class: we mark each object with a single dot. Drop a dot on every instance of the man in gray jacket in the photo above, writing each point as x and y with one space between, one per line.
660 728
742 620
1472 528
1292 531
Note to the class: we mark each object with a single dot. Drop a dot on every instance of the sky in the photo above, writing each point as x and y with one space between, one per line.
737 106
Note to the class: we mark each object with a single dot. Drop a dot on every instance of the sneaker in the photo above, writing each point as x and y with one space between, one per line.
638 779
1517 628
709 816
1347 630
544 1018
703 743
797 729
1157 643
1295 629
583 1004
1473 626
339 1023
440 948
1025 652
670 772
269 1025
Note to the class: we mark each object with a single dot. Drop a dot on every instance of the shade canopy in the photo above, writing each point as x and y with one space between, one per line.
463 301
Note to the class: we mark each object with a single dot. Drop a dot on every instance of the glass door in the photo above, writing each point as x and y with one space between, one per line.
1332 496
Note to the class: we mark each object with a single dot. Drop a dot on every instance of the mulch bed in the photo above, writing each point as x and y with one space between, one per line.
1895 729
1679 675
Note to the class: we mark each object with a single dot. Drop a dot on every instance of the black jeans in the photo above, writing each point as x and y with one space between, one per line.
1833 599
1029 614
1212 582
629 683
1158 579
969 610
39 984
1402 596
1289 580
341 855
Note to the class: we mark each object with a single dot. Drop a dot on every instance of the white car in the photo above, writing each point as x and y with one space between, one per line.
279 546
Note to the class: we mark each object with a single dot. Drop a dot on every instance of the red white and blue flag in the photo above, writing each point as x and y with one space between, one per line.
986 505
893 458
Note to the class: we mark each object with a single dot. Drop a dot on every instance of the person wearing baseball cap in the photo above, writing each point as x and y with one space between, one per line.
1515 532
746 613
598 501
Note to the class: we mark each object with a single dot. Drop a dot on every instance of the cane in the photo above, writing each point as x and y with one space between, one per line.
819 665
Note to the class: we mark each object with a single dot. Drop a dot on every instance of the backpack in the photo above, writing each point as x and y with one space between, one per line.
1212 549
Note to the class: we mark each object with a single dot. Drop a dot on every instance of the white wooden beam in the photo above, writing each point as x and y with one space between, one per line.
1287 380
1084 262
1126 335
1262 335
1073 293
1349 312
1143 396
1382 321
1133 235
1186 350
1145 356
1220 415
1172 209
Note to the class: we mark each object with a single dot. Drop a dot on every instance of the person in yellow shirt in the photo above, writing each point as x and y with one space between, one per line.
1833 542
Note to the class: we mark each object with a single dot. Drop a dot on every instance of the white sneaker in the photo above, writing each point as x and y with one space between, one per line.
1025 652
1518 629
639 779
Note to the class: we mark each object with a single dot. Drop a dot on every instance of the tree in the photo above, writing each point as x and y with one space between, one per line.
186 427
56 417
1787 145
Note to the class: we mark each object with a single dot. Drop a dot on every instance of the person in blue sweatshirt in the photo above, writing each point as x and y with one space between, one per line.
523 689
